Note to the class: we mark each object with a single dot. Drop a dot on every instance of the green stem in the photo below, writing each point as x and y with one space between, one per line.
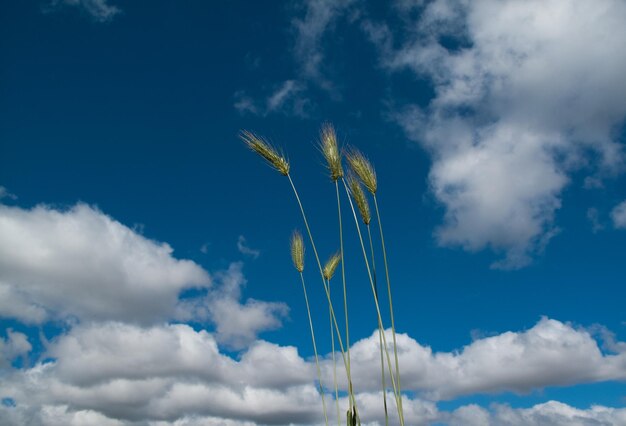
380 319
393 325
343 273
332 348
330 303
317 363
380 337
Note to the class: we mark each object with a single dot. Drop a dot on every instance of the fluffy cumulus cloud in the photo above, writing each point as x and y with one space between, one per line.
551 413
81 263
14 345
551 353
116 373
99 10
525 91
236 324
131 373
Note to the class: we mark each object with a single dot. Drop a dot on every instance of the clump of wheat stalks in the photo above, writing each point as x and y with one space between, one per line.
364 210
362 167
330 150
278 161
297 255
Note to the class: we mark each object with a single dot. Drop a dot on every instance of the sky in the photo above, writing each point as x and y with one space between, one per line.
145 273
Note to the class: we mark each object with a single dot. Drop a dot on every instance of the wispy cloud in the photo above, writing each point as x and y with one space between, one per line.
287 98
99 10
243 248
318 21
518 105
311 29
4 193
618 214
593 215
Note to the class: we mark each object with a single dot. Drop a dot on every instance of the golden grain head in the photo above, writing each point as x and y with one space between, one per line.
330 150
361 166
297 251
265 150
331 265
359 198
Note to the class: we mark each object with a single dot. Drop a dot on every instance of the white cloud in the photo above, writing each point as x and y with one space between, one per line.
172 374
99 10
168 372
236 325
549 354
517 108
618 214
81 263
14 345
551 413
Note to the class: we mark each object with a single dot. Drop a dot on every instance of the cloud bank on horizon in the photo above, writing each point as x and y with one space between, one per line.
115 364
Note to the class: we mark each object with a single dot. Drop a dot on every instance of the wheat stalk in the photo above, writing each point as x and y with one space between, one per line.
362 167
329 271
330 150
278 161
297 255
361 202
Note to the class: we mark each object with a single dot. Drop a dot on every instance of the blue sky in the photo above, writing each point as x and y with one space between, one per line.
145 275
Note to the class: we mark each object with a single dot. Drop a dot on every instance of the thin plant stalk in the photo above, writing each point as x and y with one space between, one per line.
330 150
380 337
330 303
332 348
380 320
317 363
361 202
393 326
343 274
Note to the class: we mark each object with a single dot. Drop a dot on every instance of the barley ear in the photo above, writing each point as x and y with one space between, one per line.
330 150
270 154
331 265
297 250
362 167
359 197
